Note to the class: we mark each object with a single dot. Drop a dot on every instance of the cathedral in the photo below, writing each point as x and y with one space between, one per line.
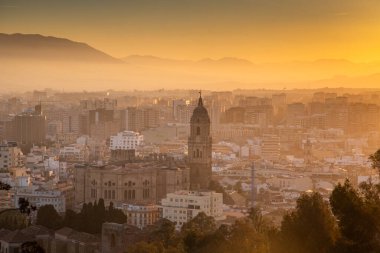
199 148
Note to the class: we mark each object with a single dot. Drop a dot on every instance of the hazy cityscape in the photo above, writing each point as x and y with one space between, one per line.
162 126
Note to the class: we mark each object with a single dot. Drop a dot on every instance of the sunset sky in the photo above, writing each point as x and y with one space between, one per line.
258 30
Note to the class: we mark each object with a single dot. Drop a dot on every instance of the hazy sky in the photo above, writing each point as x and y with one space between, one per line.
259 30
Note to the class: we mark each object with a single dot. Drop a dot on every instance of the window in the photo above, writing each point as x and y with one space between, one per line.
198 131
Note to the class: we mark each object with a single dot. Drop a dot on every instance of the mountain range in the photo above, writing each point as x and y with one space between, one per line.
36 46
77 65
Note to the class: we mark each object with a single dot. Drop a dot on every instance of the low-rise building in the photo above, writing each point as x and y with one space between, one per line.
141 215
6 199
126 140
180 207
75 153
10 156
41 197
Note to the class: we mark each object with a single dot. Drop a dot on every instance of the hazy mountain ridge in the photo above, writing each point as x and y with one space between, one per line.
78 66
39 47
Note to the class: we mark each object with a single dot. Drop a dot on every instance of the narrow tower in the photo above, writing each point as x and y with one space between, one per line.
199 147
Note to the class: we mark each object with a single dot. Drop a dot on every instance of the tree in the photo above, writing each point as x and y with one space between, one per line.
215 186
72 220
375 159
201 224
358 214
142 247
164 232
115 215
260 224
5 186
238 187
92 216
244 238
48 217
13 219
311 227
194 231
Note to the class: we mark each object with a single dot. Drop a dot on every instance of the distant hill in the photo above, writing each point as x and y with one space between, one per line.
227 61
150 60
38 47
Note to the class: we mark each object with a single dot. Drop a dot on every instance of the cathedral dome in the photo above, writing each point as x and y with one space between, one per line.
200 114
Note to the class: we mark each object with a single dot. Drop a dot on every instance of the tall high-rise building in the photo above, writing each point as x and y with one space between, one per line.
28 129
199 146
295 112
270 147
138 119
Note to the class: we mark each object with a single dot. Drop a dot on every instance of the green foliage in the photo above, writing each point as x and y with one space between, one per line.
375 159
310 228
196 230
164 232
237 187
358 213
4 186
48 217
25 207
13 219
143 247
200 224
92 216
215 186
260 224
115 215
155 247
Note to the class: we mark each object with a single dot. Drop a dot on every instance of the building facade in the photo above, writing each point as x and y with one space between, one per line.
141 215
182 206
41 197
126 140
133 183
10 156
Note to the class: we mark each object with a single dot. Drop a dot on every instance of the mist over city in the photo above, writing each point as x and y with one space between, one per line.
166 126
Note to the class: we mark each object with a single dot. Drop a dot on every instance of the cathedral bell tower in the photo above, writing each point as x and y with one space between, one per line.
199 148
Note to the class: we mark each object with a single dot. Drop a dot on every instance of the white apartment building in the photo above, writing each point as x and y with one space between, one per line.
41 197
126 140
182 206
10 156
75 152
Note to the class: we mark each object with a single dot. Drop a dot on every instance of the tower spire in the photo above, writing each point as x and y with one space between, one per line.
200 101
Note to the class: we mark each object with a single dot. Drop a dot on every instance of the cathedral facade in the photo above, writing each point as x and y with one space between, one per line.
200 148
